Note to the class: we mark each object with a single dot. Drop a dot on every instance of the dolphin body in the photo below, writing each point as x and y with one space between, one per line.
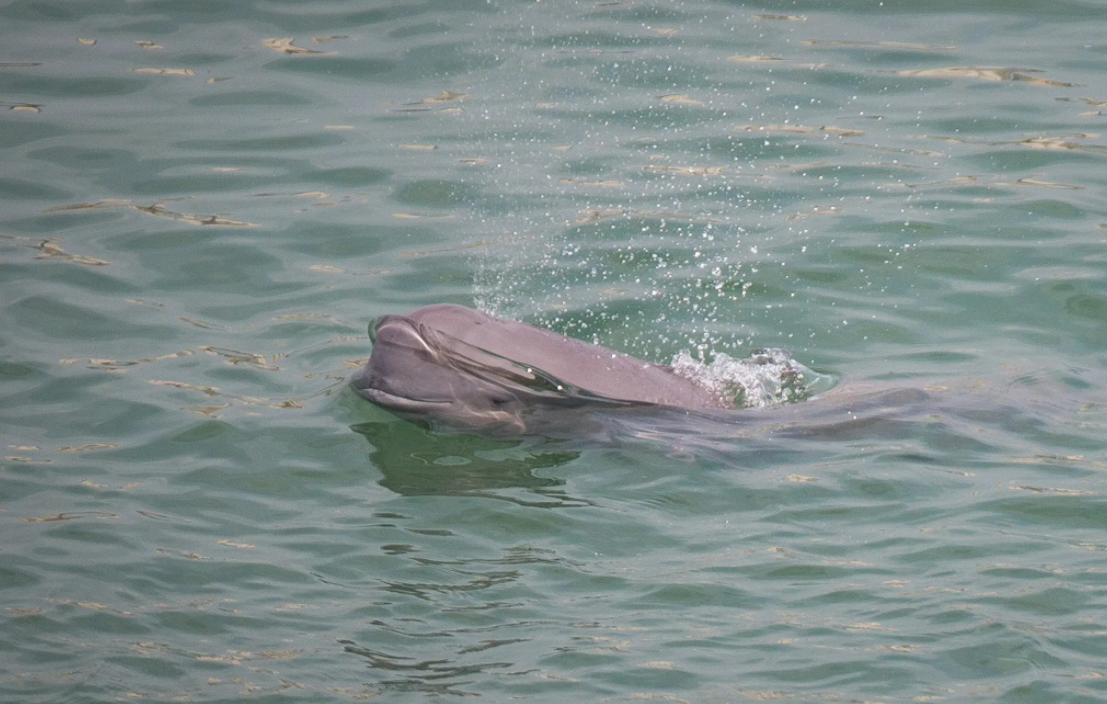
448 366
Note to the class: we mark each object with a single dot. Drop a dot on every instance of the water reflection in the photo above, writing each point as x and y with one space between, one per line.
418 462
415 675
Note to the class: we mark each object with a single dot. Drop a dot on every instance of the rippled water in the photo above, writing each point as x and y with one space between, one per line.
205 203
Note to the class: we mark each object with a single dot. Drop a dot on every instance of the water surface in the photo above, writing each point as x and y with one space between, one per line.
204 204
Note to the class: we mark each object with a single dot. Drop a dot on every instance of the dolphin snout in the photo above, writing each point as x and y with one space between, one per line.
413 371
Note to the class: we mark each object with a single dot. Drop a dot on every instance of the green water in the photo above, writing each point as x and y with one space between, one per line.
198 219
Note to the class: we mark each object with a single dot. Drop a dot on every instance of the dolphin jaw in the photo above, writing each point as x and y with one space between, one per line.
401 403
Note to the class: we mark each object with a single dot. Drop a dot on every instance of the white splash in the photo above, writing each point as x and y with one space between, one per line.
767 378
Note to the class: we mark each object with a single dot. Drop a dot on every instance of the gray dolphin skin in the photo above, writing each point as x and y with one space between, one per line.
454 367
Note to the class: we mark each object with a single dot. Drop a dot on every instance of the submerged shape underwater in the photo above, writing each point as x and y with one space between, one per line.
205 204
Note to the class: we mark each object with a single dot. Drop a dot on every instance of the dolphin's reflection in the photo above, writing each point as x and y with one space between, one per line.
418 462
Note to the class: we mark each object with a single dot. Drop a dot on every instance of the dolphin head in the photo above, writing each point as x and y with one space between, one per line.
422 374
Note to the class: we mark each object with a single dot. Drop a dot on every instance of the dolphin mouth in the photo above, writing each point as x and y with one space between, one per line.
416 371
401 403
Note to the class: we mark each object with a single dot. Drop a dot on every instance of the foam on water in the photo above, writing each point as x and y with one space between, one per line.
768 377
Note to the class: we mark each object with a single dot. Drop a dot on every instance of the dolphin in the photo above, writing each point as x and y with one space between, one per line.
448 366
